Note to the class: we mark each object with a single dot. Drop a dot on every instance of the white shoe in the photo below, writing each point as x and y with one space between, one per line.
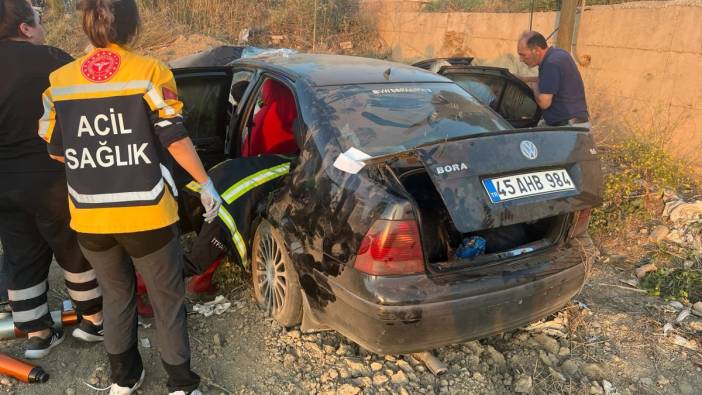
117 390
181 392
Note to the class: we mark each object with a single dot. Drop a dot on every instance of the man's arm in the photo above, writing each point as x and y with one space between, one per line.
543 100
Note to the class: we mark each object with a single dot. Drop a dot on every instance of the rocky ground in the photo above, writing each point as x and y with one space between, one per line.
609 341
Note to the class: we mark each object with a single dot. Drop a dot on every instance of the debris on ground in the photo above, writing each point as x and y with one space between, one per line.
217 306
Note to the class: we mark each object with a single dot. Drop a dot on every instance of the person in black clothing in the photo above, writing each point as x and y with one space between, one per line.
34 218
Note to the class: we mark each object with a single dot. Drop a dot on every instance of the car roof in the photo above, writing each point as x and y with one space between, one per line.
325 70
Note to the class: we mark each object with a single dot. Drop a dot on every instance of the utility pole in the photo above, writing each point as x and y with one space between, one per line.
566 25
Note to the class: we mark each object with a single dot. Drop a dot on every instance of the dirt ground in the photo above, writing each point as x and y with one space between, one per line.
609 340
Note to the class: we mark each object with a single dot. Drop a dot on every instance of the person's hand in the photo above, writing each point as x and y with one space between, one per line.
210 200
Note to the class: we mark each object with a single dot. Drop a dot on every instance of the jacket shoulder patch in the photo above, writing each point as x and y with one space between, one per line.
101 66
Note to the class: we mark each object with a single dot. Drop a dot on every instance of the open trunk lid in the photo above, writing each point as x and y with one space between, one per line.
467 172
452 185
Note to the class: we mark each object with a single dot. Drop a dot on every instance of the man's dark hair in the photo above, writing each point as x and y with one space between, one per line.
536 40
13 13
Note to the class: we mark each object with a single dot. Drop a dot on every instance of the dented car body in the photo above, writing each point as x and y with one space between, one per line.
372 254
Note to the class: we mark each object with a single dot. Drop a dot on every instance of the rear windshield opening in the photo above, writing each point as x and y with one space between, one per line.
386 118
441 239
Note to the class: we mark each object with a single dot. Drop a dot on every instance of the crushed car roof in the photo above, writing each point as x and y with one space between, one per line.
325 70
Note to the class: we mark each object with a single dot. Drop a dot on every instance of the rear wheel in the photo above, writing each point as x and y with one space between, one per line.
275 282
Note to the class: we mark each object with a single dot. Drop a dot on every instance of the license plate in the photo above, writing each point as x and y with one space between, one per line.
529 184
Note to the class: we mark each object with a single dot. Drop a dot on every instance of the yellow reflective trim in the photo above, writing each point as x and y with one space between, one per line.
236 236
194 186
242 186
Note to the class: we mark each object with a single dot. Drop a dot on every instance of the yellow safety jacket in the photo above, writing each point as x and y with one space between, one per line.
111 114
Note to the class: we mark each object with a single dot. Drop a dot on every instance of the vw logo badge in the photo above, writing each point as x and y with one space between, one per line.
529 149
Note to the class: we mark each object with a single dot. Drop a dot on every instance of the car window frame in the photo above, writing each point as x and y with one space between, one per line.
250 101
509 79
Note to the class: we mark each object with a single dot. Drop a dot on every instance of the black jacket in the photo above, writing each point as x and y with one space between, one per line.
24 75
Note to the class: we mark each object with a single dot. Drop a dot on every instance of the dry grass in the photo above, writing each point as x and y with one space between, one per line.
506 5
306 25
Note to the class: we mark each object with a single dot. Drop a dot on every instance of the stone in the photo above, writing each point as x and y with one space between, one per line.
380 379
399 378
697 308
348 389
646 381
217 340
570 367
376 366
404 365
333 373
403 391
294 334
344 373
289 360
313 348
548 343
474 347
70 391
662 381
364 382
593 371
659 233
357 368
523 385
596 389
564 352
390 358
497 357
555 374
544 358
608 388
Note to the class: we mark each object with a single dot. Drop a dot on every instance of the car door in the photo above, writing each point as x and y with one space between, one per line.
501 90
207 111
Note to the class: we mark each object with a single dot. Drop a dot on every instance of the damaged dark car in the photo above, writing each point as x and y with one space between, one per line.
407 213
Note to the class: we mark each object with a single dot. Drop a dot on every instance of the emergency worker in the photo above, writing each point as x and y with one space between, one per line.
34 218
113 117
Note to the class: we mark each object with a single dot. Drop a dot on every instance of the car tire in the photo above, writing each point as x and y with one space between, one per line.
271 264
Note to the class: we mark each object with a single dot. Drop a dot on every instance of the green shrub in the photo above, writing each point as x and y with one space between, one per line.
674 284
637 167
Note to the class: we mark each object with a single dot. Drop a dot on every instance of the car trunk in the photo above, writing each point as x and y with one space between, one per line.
448 183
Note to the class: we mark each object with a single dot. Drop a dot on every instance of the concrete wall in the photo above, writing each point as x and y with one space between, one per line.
641 62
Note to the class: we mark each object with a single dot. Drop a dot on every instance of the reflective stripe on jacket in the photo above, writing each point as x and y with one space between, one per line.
111 114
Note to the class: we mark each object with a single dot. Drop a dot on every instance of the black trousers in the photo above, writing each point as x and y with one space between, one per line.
157 256
34 226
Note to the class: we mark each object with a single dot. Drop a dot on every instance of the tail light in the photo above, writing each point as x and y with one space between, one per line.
580 223
391 248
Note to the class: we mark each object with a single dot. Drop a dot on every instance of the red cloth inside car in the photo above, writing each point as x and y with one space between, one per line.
272 131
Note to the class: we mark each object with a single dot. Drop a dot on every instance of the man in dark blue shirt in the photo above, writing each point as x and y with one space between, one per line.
560 91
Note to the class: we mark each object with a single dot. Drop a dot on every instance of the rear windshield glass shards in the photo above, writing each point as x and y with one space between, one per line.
380 119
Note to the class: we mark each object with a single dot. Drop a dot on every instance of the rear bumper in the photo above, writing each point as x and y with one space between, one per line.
425 325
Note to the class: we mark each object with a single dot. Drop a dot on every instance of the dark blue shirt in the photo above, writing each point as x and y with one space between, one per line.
559 76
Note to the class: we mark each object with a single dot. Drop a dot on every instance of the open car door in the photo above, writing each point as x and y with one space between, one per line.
205 95
509 96
493 86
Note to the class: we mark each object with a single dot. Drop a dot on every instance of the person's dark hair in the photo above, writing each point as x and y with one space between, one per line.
110 21
536 40
13 13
